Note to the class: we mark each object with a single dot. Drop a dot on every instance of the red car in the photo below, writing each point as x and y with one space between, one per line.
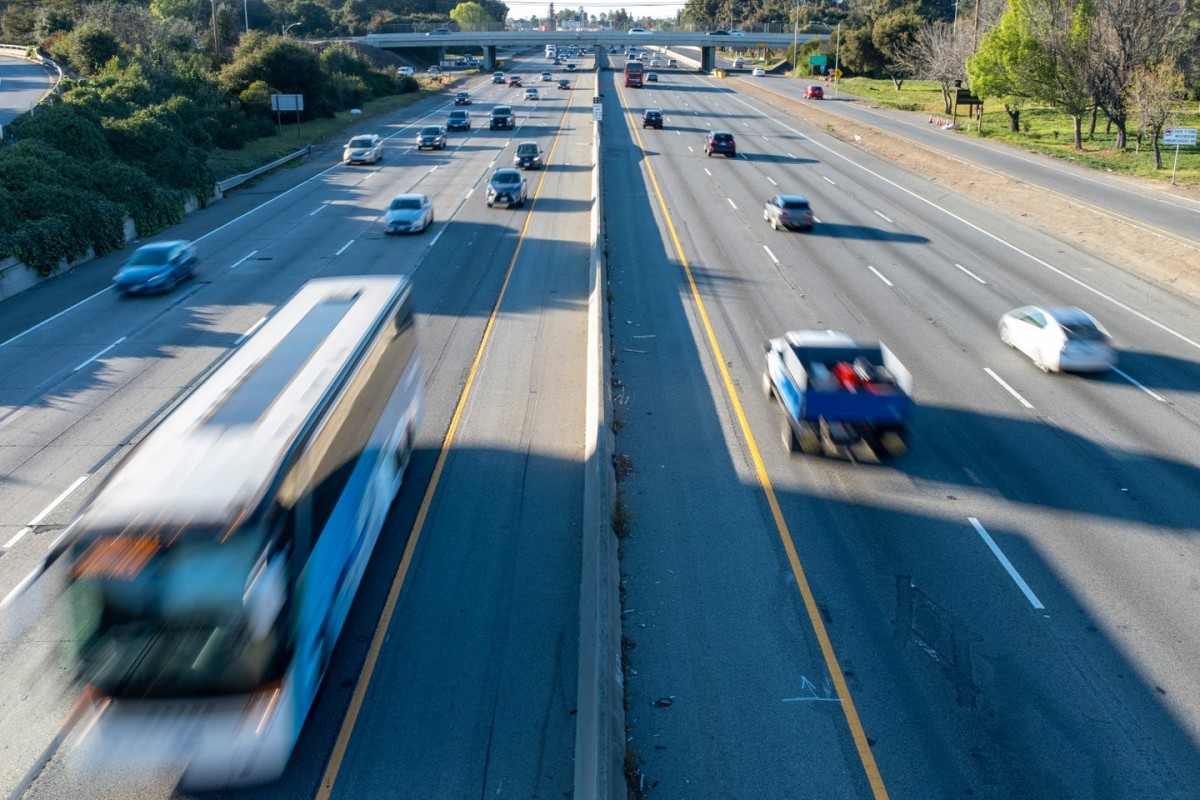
514 81
814 93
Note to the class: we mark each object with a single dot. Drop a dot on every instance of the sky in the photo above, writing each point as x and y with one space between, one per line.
658 9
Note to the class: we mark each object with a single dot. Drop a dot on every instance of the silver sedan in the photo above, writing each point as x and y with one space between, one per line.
408 213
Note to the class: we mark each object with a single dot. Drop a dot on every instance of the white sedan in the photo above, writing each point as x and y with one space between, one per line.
759 72
1059 339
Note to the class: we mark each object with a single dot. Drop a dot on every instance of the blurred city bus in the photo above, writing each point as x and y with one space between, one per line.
211 572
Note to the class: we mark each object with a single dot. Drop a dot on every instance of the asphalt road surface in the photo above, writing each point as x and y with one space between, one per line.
1007 611
473 691
22 85
1010 606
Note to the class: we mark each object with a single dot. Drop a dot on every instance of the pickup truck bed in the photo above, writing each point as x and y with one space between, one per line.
838 396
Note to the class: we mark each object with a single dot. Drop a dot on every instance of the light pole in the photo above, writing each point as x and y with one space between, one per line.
216 47
246 10
287 28
796 40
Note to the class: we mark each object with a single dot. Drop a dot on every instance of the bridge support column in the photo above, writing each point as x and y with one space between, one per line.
708 59
489 57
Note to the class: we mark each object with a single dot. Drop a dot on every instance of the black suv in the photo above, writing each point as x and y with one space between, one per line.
529 156
502 117
652 118
720 142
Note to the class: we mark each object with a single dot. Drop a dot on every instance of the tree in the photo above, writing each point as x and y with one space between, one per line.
1152 94
175 9
470 15
894 35
1129 36
285 64
997 68
939 53
1041 50
90 48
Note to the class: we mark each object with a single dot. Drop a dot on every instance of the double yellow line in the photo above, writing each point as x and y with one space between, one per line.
332 769
878 790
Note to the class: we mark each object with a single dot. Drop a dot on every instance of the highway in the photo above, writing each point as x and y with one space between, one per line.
478 673
1010 604
1150 205
1007 611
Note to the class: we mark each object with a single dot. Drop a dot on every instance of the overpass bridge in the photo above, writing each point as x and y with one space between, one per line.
489 41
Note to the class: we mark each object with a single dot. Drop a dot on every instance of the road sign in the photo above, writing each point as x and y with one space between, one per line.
1179 136
818 61
963 97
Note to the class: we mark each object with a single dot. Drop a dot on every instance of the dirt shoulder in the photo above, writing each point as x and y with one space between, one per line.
1124 243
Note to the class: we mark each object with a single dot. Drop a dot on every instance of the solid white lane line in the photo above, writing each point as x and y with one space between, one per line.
732 203
1144 388
772 255
994 237
1004 562
972 274
879 275
249 331
880 213
242 260
320 208
345 247
1011 390
828 179
772 180
791 156
56 316
45 512
102 352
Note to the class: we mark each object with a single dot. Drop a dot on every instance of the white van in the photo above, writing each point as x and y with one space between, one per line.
407 71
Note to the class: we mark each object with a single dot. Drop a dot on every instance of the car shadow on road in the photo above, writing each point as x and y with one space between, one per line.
770 158
838 230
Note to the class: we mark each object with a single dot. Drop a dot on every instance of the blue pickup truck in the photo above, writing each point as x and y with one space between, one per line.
839 397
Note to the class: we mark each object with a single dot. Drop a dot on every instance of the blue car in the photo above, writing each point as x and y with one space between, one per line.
157 267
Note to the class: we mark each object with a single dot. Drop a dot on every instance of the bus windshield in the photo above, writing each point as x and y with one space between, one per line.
175 621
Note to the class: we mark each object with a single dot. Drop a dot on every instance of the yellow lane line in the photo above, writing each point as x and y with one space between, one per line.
332 769
874 778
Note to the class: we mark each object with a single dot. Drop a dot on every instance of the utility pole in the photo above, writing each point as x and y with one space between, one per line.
837 53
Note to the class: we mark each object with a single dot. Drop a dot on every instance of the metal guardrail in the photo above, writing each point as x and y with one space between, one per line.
238 180
31 54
